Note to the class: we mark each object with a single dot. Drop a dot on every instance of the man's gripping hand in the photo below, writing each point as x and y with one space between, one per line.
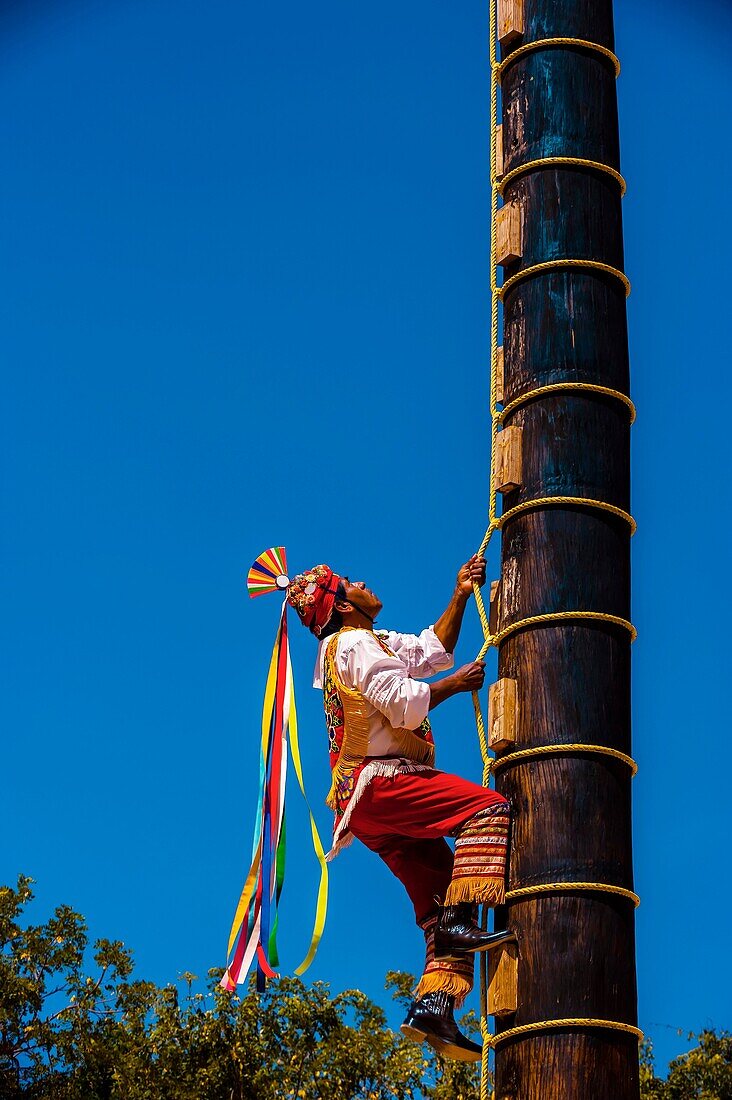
470 677
473 572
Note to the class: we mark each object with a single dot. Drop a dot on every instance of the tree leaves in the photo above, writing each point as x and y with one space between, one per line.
705 1073
70 1031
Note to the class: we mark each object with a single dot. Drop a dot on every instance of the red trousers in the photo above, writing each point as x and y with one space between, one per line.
404 818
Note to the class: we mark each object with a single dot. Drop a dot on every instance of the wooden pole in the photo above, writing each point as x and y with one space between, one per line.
572 811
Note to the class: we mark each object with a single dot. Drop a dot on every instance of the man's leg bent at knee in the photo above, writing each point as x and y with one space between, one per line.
424 867
429 805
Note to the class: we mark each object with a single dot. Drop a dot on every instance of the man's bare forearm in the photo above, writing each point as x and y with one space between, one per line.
441 690
447 627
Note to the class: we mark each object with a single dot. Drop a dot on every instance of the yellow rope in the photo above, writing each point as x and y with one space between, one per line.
556 265
484 1030
551 750
536 620
559 162
495 522
550 1025
568 887
547 43
540 502
560 387
484 1068
562 616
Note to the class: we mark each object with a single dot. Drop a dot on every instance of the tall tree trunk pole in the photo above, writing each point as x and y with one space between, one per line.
572 810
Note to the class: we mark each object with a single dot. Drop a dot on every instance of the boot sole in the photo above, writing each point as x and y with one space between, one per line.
454 957
445 1049
453 1052
413 1033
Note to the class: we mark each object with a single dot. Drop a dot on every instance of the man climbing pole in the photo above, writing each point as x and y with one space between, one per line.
386 792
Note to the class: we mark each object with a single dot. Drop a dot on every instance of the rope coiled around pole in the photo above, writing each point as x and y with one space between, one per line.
496 522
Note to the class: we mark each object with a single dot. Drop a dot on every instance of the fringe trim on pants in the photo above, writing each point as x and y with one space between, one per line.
342 836
481 848
453 976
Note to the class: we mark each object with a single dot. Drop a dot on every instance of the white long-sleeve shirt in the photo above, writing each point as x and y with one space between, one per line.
396 699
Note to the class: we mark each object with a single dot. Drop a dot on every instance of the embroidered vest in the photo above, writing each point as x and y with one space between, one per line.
346 717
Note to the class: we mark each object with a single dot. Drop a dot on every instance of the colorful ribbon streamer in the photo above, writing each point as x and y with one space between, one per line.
254 929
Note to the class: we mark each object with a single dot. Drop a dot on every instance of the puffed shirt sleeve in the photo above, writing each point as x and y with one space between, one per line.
384 681
423 654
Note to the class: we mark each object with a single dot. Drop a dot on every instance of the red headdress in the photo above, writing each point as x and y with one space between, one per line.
253 933
313 595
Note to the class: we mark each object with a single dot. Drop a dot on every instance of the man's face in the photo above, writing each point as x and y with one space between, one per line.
362 597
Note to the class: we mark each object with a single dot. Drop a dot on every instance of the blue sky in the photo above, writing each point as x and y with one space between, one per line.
244 300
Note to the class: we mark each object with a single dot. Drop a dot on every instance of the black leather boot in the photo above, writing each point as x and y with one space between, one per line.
457 932
431 1018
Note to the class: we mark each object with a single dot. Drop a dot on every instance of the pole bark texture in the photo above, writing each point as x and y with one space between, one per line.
572 812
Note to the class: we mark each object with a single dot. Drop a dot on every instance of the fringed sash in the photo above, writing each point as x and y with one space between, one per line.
354 741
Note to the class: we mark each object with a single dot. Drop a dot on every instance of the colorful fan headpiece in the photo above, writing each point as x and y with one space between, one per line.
312 594
269 572
254 929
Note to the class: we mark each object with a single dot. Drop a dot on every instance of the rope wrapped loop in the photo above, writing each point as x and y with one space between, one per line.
551 1025
499 68
496 522
551 750
564 387
559 162
571 887
558 265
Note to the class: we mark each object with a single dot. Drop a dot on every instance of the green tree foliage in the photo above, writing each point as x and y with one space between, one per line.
53 1016
704 1073
72 1032
75 1025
